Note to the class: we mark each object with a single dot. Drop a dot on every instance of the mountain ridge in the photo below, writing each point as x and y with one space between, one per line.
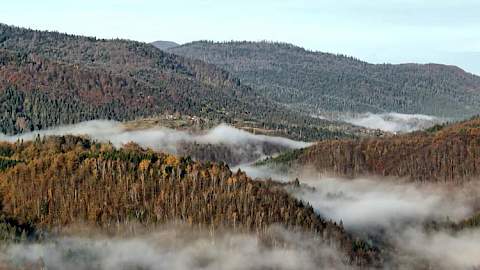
325 82
165 82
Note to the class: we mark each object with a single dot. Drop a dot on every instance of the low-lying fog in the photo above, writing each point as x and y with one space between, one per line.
397 210
222 143
390 211
365 203
393 122
175 249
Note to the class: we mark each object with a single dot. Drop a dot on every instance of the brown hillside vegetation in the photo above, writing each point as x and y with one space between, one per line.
50 79
450 153
61 181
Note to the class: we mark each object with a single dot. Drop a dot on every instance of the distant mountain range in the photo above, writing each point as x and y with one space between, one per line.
51 184
49 79
318 82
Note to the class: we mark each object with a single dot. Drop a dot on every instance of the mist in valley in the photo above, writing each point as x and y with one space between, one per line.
222 143
394 214
393 122
194 174
369 203
177 248
389 213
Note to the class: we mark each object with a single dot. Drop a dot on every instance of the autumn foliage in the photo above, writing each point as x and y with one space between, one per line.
61 181
445 154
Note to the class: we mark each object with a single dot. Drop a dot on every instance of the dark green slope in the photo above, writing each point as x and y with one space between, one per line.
48 78
322 82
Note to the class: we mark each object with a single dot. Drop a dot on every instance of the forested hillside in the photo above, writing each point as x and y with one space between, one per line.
448 153
322 82
60 181
48 78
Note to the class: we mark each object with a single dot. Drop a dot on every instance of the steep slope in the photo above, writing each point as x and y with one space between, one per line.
62 181
49 79
164 45
449 153
322 82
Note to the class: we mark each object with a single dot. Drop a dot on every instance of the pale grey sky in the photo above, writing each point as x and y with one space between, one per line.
378 31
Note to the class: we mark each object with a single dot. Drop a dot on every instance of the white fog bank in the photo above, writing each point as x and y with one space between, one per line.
396 211
445 250
393 122
364 203
242 145
175 249
158 137
372 203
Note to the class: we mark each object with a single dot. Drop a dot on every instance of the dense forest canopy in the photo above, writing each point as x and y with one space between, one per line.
48 78
318 82
56 183
444 153
60 181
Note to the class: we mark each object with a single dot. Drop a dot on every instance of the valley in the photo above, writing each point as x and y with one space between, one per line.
119 154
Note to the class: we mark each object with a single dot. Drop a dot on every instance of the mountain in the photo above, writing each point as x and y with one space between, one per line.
71 180
164 45
48 79
449 153
319 82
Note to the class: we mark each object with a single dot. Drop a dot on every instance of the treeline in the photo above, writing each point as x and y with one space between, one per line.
315 81
445 154
471 222
71 180
48 78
